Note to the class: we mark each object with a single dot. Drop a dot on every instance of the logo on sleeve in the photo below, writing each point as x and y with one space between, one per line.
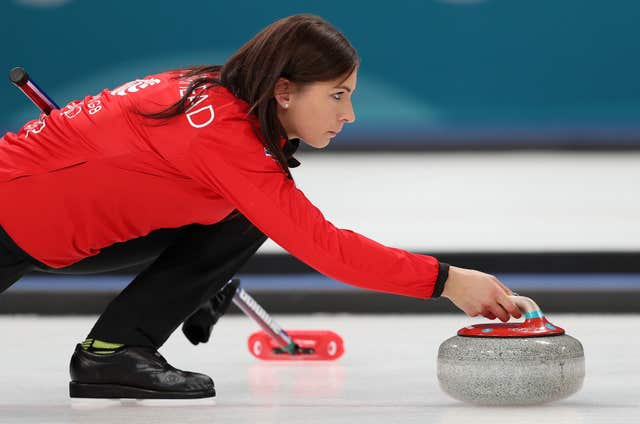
134 86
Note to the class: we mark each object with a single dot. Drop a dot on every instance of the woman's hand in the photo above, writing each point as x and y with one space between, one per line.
477 293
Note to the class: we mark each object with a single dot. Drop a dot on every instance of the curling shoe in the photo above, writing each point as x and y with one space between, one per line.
133 372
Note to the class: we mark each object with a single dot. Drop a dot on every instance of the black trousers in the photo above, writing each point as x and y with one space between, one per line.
186 267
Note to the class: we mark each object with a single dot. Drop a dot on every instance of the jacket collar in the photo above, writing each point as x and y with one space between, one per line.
289 148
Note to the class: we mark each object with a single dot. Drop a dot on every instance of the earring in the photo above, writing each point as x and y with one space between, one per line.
286 105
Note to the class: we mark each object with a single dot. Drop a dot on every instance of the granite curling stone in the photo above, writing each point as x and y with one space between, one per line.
525 363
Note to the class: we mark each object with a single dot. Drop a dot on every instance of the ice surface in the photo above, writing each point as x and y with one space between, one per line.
387 375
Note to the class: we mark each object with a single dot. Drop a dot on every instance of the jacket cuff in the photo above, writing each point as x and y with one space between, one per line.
443 274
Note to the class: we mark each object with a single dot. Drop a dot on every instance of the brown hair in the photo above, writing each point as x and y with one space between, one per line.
301 48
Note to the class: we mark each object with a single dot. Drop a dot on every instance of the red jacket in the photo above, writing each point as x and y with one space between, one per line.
95 173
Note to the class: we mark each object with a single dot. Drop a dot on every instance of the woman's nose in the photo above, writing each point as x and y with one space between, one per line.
349 116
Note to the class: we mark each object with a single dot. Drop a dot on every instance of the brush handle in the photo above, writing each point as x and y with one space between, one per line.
249 306
20 78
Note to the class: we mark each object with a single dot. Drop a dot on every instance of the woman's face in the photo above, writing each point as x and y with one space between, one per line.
315 112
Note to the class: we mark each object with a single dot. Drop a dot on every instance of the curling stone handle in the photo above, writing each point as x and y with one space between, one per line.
535 324
525 304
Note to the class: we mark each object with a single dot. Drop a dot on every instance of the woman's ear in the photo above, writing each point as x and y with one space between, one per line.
282 92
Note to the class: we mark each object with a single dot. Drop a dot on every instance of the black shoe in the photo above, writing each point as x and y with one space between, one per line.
198 326
135 373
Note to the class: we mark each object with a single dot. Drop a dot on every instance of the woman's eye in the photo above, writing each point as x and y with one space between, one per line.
337 96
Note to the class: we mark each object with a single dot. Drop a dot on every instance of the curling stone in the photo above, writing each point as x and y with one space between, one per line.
523 363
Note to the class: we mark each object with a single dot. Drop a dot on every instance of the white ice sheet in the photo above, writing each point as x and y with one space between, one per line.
387 375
